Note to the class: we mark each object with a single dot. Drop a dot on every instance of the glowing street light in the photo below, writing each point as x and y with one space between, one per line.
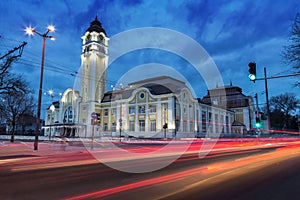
32 31
52 94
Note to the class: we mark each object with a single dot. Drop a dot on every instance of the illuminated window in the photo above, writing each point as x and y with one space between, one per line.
153 125
141 109
142 125
113 111
131 110
113 127
131 125
106 112
152 108
68 115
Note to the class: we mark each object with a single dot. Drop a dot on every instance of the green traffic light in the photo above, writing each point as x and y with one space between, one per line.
258 125
252 77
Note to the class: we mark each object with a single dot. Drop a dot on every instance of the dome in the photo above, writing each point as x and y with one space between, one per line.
96 26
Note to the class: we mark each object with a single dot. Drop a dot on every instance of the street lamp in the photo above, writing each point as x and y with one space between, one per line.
32 31
52 108
52 94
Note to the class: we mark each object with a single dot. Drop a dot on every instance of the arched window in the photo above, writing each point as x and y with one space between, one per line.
68 115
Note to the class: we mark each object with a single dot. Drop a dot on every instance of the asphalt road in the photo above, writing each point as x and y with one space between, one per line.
278 181
255 173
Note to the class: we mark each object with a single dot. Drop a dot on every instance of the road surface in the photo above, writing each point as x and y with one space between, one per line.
231 170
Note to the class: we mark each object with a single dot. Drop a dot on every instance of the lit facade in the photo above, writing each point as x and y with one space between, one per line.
232 98
153 108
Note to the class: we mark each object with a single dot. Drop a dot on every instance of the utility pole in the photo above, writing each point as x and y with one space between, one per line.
267 99
252 77
256 98
20 48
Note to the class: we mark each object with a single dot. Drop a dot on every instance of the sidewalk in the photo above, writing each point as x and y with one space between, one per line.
18 149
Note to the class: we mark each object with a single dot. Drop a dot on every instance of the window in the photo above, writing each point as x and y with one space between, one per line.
142 125
209 117
105 128
216 122
203 121
141 109
106 112
227 124
113 127
192 127
153 125
152 108
142 95
131 110
114 111
68 115
131 126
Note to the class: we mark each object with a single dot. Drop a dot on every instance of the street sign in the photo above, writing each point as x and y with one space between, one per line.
94 115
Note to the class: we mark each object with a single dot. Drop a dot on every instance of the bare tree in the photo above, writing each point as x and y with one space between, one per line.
292 51
14 104
8 80
287 104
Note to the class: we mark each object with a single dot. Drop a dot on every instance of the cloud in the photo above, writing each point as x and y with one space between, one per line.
232 32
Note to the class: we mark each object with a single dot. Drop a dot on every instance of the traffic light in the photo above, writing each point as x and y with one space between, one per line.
252 71
98 118
257 123
165 126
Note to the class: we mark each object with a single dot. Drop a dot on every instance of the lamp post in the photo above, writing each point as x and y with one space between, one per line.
32 31
52 108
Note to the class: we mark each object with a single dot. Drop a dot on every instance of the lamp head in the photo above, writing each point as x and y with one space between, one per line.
51 28
29 31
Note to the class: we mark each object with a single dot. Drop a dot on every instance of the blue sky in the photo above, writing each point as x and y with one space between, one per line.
232 32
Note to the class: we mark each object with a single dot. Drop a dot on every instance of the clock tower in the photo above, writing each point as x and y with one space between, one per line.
94 59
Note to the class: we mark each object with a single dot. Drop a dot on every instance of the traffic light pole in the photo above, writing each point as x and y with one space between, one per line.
267 99
266 88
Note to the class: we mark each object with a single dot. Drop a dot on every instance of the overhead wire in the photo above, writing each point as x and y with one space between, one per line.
31 59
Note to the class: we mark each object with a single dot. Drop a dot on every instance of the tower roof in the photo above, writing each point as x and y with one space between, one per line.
96 26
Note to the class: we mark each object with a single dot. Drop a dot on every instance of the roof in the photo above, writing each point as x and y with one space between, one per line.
157 89
96 26
157 78
55 103
116 94
154 89
230 95
165 83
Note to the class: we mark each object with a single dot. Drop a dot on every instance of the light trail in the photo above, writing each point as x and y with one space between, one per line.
205 170
68 159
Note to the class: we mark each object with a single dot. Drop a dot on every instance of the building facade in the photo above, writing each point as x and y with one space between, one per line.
153 108
235 100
